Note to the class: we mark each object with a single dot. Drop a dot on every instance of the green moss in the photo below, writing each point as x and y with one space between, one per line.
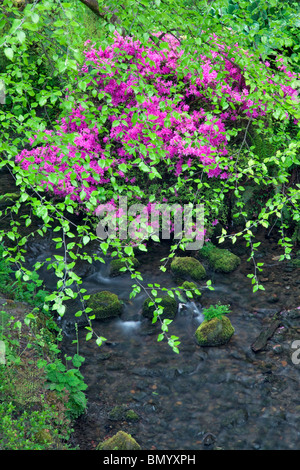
131 415
169 304
43 437
105 304
120 441
121 412
117 413
190 286
221 260
117 264
186 267
206 250
9 199
214 332
224 261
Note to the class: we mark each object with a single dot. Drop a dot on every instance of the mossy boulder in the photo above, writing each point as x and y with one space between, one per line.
121 412
187 267
117 264
169 304
190 286
120 441
117 413
9 199
104 304
131 415
214 332
221 260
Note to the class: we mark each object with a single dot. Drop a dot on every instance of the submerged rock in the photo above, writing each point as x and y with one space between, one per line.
214 332
120 441
221 260
169 304
188 267
104 304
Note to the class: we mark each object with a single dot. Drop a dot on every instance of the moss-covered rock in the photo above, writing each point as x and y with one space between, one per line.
117 264
224 261
190 286
214 332
187 267
121 412
221 260
104 304
120 441
131 415
117 413
9 199
169 304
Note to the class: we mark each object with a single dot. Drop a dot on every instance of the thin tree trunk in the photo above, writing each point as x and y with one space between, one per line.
105 13
92 5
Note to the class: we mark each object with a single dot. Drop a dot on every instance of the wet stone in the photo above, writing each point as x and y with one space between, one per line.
236 418
277 349
140 396
104 356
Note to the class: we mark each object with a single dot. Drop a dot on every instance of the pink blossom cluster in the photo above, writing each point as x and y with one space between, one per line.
171 119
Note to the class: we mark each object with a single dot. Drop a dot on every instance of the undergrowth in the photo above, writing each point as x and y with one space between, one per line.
41 393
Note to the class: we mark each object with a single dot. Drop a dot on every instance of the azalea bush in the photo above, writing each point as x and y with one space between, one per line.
183 131
182 125
167 105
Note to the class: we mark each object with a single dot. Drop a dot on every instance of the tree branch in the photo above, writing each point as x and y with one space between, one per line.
105 14
93 6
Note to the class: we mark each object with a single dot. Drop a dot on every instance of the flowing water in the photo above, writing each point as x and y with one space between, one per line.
224 397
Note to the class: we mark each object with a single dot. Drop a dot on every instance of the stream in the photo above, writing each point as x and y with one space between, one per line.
224 397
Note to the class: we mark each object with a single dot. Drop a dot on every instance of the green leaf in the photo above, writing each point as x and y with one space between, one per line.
100 340
21 36
142 247
42 101
35 17
85 239
78 360
9 52
144 167
128 250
